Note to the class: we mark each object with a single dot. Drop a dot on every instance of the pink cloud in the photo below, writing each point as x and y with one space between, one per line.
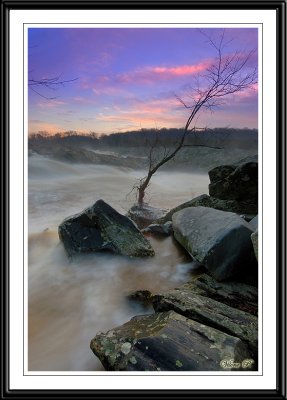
141 120
146 75
249 92
153 106
151 75
180 70
159 111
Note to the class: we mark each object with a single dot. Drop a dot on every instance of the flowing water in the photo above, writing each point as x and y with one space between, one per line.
69 302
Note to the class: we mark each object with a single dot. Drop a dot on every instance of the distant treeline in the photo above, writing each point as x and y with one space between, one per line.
217 137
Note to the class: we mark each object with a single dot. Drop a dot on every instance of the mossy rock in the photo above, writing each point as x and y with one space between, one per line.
167 341
99 228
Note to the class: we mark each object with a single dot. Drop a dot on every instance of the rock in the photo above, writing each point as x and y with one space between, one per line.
145 215
159 229
167 341
248 217
144 297
221 172
210 312
237 295
254 238
236 182
197 201
100 227
246 208
219 240
254 222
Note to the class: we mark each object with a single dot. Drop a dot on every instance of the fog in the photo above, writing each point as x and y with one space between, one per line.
69 302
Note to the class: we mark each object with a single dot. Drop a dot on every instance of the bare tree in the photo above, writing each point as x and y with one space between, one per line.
37 85
225 76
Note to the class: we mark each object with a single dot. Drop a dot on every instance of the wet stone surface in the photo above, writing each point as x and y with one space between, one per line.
168 341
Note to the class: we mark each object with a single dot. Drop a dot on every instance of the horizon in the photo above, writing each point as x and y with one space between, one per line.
127 79
99 135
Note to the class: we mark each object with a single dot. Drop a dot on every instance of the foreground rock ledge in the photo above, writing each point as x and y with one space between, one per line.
212 313
237 295
100 227
168 341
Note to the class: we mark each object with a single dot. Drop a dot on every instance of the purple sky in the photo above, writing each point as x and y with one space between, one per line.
127 78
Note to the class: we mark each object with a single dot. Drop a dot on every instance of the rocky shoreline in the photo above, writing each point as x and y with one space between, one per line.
208 324
188 331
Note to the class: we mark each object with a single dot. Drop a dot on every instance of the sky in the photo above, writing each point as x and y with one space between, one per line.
122 79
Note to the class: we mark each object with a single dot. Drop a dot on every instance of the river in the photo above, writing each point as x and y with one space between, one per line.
69 302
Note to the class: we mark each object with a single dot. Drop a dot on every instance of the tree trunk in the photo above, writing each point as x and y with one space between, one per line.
141 194
142 188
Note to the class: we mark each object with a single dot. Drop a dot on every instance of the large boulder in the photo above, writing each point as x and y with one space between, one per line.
236 182
168 341
210 312
204 200
219 240
100 227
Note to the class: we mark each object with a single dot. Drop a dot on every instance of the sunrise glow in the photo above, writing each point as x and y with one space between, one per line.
122 79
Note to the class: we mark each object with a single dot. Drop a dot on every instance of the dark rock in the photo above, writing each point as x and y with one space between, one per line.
145 215
144 297
237 295
100 227
221 172
243 207
236 182
167 341
248 217
212 313
159 229
219 240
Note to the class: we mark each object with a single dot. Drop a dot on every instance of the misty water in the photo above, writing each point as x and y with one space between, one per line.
69 302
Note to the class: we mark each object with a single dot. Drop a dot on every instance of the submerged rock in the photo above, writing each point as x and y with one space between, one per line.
167 341
100 227
210 312
219 240
145 215
159 229
143 297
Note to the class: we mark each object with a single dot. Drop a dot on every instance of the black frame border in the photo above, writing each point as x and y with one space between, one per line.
280 7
